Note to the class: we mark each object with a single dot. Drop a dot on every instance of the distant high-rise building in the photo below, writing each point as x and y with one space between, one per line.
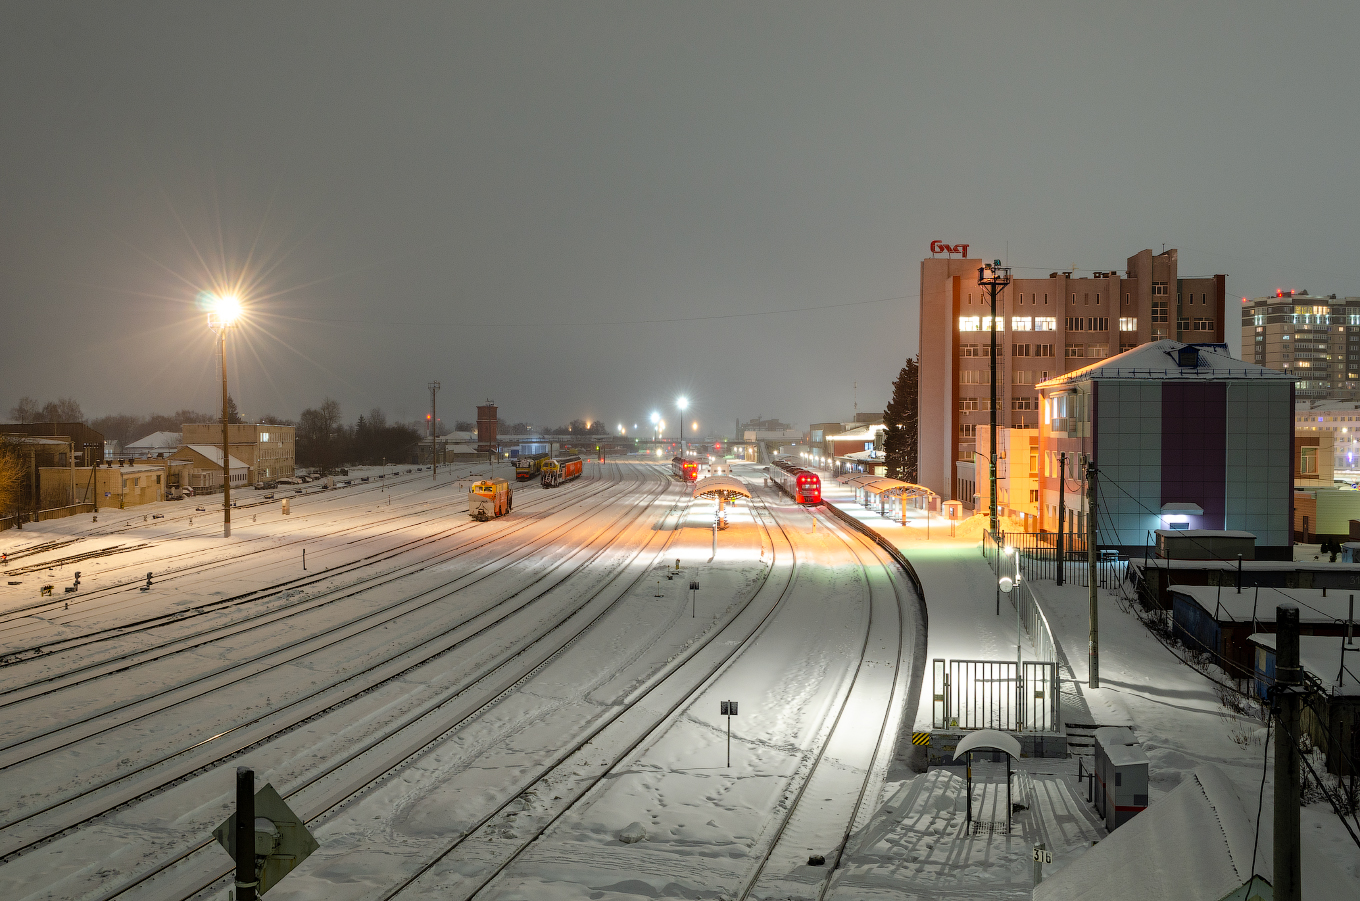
1046 327
1315 339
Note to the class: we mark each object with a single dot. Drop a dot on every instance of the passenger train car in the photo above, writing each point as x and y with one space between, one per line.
804 486
560 470
686 469
528 466
490 498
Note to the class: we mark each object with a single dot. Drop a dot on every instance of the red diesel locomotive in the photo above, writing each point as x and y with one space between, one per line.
804 486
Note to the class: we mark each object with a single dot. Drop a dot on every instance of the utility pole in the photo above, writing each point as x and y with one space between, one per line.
245 834
1062 513
994 278
434 429
226 442
1288 883
1091 577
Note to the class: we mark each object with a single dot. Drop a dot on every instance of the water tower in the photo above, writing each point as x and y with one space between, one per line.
486 427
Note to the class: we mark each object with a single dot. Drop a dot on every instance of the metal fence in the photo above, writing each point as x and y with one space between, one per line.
1038 557
985 694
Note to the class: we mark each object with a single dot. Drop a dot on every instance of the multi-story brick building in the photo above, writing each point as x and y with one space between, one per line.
1046 327
1315 339
269 450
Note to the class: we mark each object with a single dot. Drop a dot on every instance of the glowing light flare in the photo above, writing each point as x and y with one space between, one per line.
223 310
682 403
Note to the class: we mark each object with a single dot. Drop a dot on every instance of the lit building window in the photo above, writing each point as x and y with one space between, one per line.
969 324
1021 323
1128 323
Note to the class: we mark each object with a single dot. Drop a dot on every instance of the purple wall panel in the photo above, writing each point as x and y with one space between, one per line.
1194 448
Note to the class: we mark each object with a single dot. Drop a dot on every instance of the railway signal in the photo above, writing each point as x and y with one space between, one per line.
729 710
265 838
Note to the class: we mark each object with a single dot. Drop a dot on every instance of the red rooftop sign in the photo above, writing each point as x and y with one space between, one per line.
941 247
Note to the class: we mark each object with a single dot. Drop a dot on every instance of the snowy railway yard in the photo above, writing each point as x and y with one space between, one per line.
456 709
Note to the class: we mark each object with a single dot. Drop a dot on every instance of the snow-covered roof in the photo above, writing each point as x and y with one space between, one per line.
1195 844
1224 602
1322 656
712 486
1158 360
1198 533
214 455
155 442
879 484
988 738
864 431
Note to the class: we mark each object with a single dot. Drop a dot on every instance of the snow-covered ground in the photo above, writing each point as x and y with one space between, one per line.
455 708
1178 715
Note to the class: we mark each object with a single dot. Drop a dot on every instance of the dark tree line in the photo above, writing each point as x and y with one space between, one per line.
900 422
324 441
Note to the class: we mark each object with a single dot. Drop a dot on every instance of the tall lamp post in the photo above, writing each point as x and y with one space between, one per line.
682 403
994 278
222 316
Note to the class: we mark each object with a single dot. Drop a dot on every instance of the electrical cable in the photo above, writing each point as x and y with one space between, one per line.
1260 803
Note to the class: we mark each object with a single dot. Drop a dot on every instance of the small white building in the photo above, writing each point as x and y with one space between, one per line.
205 471
153 445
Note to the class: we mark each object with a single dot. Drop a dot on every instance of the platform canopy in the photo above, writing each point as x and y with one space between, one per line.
883 485
725 487
991 739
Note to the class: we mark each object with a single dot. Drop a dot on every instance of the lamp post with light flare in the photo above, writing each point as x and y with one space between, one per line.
222 316
683 404
994 277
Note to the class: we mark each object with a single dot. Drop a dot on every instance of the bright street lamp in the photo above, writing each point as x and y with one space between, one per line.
223 312
683 404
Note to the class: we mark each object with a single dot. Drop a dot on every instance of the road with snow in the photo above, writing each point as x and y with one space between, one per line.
457 709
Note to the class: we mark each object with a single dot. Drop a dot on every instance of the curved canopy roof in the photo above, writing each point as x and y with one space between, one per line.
712 486
988 738
882 485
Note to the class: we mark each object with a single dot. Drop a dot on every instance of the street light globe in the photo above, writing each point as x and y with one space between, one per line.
655 417
682 403
1006 584
226 309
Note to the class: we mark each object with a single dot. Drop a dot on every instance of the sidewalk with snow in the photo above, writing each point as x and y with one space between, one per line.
1178 714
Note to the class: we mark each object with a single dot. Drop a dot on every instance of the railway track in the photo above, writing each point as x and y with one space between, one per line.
759 880
68 643
394 669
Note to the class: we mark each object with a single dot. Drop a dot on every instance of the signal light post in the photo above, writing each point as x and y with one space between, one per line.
434 429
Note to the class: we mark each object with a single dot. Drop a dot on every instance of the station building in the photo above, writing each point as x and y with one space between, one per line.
1184 436
1046 327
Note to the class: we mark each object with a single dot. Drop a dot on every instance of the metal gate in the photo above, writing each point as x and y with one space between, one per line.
985 694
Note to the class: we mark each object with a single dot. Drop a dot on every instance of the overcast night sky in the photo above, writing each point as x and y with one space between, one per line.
587 209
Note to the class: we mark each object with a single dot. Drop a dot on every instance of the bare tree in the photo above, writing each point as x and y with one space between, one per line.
63 409
26 410
11 476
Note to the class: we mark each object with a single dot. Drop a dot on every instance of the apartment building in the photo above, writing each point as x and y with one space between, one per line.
1314 338
1046 327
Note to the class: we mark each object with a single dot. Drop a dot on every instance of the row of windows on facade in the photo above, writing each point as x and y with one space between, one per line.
1096 351
984 404
1080 323
1300 316
1159 289
1062 412
970 430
